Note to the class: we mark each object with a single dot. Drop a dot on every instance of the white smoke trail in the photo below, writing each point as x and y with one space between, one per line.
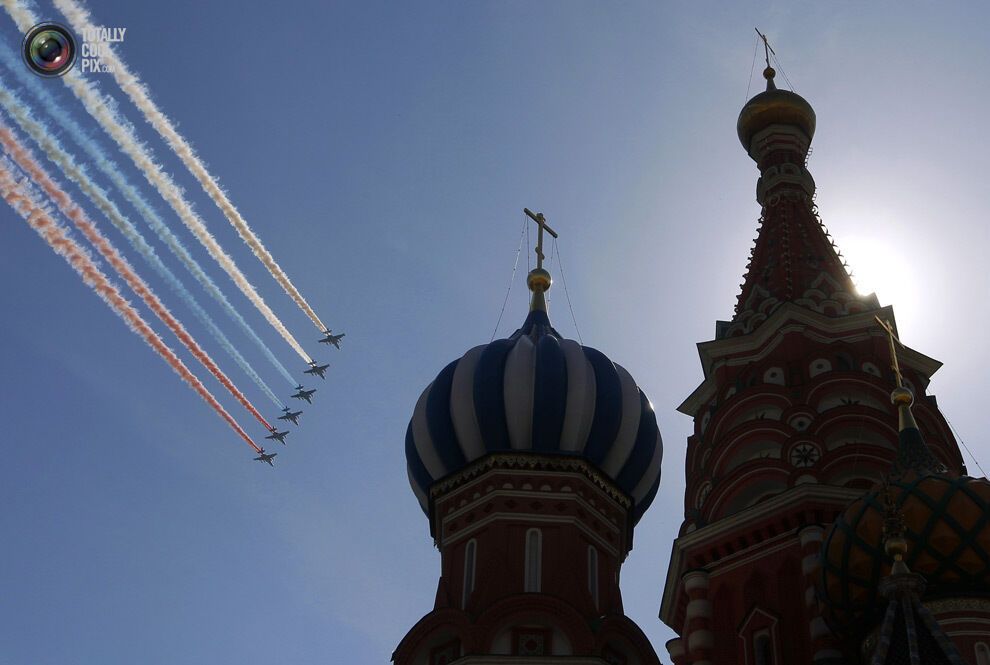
21 198
107 167
80 21
74 172
103 111
22 156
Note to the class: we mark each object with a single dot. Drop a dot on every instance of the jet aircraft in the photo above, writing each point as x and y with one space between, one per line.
304 394
331 338
317 370
277 436
291 416
266 457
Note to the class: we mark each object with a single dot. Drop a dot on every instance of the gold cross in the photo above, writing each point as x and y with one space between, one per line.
542 223
891 338
767 49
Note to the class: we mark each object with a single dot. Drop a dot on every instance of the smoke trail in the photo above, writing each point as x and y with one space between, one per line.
79 20
103 110
136 199
26 161
20 199
45 139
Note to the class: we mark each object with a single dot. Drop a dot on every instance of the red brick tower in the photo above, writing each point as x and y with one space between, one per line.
793 421
533 457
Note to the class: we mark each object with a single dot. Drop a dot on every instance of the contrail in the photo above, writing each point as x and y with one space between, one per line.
150 216
55 152
79 19
19 197
103 110
25 160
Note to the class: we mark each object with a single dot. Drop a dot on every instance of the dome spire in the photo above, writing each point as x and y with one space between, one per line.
793 259
769 72
912 452
539 280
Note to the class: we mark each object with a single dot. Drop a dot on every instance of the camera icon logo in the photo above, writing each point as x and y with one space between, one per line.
49 49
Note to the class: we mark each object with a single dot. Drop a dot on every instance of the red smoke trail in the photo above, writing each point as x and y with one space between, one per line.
38 218
23 157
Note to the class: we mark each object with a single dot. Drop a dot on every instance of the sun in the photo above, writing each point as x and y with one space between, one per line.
878 267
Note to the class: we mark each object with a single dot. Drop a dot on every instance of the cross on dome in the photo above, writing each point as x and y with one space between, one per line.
541 221
891 338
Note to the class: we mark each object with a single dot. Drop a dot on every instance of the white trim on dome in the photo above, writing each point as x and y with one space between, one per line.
652 472
421 437
518 388
462 413
632 409
424 500
580 409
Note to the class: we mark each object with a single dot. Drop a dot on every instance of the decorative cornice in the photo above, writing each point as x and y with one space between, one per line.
790 317
747 518
530 462
957 604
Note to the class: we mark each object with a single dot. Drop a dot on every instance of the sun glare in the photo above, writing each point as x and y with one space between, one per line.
877 267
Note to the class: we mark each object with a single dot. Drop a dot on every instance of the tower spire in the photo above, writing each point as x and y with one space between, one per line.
793 259
767 49
539 280
912 450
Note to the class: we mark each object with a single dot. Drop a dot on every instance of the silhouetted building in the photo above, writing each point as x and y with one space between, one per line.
780 558
533 457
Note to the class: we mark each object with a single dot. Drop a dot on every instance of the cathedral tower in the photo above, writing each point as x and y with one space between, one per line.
792 423
533 458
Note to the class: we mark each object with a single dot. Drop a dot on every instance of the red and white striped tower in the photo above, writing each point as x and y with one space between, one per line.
823 644
698 617
792 421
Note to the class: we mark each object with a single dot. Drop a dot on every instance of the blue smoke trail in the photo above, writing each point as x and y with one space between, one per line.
134 197
53 149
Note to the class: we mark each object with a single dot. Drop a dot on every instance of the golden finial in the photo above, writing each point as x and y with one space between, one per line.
894 542
891 338
901 396
769 72
539 280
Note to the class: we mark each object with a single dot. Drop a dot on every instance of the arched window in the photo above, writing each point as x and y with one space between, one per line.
982 654
763 649
870 368
470 556
818 366
593 574
774 375
843 361
534 560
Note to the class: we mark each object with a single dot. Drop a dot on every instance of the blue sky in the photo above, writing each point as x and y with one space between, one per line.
384 152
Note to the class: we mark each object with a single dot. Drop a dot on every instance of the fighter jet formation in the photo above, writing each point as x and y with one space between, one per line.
288 415
34 125
331 338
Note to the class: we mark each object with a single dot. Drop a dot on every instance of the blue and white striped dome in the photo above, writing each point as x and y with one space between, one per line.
541 393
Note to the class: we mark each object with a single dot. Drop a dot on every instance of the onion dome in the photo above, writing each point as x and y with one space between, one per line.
536 393
946 528
927 642
774 107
